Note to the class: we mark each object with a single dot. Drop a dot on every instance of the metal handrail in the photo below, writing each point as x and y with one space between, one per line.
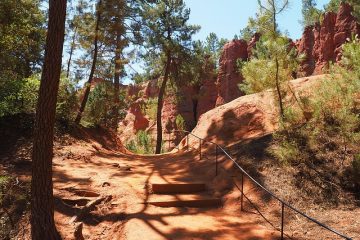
283 203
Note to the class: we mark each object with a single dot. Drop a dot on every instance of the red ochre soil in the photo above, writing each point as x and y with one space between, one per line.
127 178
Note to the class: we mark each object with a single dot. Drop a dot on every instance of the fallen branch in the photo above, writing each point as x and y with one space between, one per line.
89 207
78 232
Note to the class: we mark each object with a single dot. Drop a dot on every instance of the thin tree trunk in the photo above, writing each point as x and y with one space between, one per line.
278 90
160 105
93 67
42 201
72 48
117 78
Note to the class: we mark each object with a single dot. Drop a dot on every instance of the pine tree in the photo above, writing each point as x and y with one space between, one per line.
42 201
311 14
273 8
167 33
93 65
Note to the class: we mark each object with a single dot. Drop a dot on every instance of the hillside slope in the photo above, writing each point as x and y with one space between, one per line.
247 117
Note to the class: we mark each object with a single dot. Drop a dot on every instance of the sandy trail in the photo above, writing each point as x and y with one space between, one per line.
127 179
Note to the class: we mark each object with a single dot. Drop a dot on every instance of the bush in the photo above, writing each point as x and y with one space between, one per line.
67 100
142 144
327 141
286 151
356 169
180 122
21 96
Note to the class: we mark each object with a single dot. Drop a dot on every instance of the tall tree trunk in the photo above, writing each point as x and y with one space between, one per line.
278 90
160 104
42 202
72 48
93 66
117 78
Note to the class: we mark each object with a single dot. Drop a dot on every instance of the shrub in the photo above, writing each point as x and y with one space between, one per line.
180 122
67 100
142 144
330 138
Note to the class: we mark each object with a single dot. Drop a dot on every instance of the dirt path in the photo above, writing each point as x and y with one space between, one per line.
127 179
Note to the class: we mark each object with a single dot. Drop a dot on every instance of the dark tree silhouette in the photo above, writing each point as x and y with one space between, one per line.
42 202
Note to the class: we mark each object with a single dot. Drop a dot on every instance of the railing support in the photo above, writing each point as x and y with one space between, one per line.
282 220
200 147
187 142
242 193
216 160
169 140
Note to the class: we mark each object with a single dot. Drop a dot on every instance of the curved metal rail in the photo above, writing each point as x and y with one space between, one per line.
283 203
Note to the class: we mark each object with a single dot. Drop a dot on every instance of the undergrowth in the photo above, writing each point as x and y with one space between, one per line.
321 136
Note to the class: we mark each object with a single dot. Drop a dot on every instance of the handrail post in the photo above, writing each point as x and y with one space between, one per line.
242 193
216 160
187 141
200 147
169 140
282 220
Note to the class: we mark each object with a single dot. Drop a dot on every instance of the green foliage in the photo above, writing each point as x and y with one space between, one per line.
67 100
180 122
330 136
21 97
22 38
333 6
260 71
286 152
151 108
356 169
311 14
99 105
142 144
261 23
21 44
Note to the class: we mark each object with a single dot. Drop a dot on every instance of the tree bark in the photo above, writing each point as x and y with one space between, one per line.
117 78
42 202
93 66
160 105
72 48
278 90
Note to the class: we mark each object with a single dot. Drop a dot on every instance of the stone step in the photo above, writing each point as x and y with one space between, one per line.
169 188
185 201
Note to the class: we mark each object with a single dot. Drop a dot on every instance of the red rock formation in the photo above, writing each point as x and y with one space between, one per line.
152 89
180 105
229 77
252 43
208 92
346 25
326 52
321 44
140 121
133 90
305 46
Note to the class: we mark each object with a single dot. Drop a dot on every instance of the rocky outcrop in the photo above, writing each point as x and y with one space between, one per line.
252 43
134 121
207 92
151 89
229 76
179 107
306 46
346 25
321 43
247 117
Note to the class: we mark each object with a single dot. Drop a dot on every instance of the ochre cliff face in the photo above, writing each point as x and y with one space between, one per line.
321 44
207 94
229 76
